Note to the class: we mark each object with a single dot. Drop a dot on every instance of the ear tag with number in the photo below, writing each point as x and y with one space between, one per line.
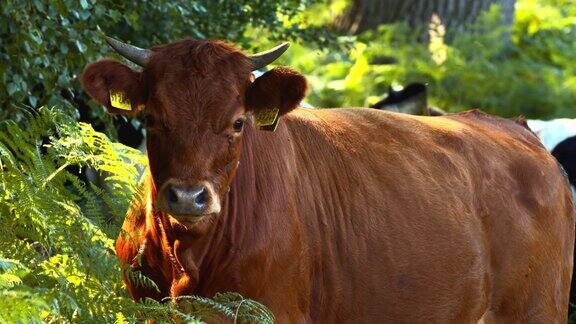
267 119
118 99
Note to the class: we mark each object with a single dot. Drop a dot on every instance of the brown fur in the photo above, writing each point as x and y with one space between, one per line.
347 215
280 87
100 77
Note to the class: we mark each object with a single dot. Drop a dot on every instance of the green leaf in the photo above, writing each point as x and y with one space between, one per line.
63 48
39 5
33 100
11 88
81 47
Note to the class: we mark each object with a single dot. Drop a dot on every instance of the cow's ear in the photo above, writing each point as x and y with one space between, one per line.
114 85
280 88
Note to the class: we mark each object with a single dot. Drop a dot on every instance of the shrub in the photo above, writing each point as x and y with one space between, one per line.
531 75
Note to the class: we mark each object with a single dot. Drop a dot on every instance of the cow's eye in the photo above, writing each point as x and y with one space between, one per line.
238 125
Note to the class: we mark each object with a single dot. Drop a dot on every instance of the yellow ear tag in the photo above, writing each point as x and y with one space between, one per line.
119 100
266 119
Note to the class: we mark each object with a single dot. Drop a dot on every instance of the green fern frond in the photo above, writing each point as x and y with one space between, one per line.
9 264
139 279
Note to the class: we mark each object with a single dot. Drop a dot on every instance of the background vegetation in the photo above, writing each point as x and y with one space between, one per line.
57 229
524 69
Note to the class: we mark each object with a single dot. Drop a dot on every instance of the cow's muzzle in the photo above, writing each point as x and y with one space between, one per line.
195 201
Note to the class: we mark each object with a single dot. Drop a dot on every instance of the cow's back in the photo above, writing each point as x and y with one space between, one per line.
412 219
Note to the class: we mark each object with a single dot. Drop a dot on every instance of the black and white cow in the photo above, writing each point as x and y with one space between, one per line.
559 137
412 99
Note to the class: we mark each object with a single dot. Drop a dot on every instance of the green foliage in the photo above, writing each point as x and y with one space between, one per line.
57 262
531 74
44 45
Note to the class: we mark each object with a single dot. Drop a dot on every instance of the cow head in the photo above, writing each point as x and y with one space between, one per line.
197 98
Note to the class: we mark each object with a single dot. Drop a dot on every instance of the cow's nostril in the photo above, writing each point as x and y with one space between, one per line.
172 195
184 200
201 197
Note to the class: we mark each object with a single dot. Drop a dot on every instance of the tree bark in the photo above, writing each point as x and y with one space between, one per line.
362 15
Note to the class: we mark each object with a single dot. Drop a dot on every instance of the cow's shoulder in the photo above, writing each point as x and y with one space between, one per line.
140 251
133 232
132 235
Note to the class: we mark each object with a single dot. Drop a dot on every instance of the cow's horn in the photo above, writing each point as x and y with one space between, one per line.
262 59
135 54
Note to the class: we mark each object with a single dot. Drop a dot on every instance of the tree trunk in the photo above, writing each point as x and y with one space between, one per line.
362 15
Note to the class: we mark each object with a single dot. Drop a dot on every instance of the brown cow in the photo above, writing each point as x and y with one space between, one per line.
340 215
